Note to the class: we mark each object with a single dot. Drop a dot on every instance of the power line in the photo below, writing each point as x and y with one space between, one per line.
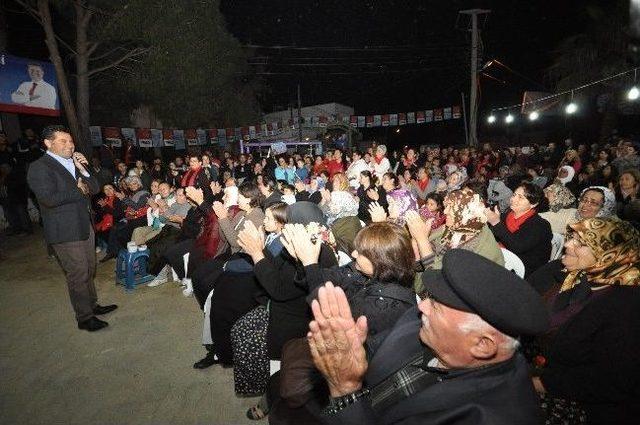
351 48
367 72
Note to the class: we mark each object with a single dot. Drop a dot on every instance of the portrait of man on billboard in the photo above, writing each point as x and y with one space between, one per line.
37 92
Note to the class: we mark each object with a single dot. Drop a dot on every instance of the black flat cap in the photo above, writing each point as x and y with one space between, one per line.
472 283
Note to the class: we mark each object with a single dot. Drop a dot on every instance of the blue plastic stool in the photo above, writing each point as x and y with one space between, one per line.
131 268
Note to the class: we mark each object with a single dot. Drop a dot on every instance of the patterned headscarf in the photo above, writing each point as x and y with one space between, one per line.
608 208
563 197
468 212
461 178
401 200
616 246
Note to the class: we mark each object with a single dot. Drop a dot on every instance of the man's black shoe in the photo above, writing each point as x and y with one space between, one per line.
93 324
99 309
209 360
107 258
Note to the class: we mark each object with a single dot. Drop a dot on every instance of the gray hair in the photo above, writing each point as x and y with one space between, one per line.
476 323
132 179
382 148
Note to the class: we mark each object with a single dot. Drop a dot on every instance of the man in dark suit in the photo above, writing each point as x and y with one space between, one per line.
453 360
63 184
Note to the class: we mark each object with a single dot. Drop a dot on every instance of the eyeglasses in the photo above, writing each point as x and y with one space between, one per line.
590 202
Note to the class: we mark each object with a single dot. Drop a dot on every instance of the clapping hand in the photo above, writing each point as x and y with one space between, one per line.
220 210
418 228
215 187
373 194
299 240
194 194
326 196
251 240
493 216
336 341
377 212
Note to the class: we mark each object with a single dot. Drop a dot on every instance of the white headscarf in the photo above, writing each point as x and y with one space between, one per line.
570 174
230 196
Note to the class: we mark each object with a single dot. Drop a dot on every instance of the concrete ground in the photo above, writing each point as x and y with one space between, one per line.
137 371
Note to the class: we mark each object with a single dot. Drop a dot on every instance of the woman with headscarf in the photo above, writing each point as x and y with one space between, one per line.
589 359
562 209
456 179
339 202
465 227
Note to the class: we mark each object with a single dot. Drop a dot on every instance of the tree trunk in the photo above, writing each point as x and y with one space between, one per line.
83 17
63 84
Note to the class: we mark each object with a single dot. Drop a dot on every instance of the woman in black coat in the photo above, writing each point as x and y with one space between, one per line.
369 193
588 360
521 230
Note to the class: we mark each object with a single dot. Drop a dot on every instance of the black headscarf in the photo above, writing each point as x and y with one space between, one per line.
304 212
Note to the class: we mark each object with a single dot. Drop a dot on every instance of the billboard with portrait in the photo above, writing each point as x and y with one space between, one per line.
28 86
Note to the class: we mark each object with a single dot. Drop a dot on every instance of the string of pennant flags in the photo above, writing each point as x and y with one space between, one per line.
181 138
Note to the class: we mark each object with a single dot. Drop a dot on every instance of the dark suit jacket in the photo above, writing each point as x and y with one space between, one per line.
65 211
501 394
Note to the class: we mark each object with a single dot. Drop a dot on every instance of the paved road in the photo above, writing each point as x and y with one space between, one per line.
137 371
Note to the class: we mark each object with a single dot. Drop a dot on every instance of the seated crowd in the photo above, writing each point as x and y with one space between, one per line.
374 288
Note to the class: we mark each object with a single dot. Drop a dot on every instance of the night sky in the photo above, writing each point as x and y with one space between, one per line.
382 56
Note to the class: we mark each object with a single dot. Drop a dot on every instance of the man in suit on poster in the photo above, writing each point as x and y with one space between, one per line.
63 184
36 93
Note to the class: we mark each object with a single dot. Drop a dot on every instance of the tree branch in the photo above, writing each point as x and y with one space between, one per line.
138 51
93 48
36 15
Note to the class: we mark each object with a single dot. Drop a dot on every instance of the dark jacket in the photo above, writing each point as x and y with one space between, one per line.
365 201
531 242
65 210
500 394
591 358
289 314
382 303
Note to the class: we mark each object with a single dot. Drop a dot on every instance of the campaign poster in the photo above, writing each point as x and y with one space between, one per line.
112 136
144 137
191 136
156 137
167 138
213 135
420 117
428 115
96 135
353 120
437 114
393 119
178 139
129 134
447 113
28 86
377 120
411 117
222 137
361 121
201 134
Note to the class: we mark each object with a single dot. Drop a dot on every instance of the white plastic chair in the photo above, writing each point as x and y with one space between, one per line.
513 262
557 244
343 258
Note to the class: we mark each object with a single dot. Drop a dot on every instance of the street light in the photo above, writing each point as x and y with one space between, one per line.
571 108
491 119
508 119
633 93
534 116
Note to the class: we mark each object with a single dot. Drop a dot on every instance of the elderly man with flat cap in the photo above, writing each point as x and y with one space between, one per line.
453 360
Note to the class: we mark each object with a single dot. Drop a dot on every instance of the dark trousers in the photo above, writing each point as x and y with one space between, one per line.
121 233
17 215
174 256
78 260
205 277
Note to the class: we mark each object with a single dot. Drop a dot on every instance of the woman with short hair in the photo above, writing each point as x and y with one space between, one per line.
521 230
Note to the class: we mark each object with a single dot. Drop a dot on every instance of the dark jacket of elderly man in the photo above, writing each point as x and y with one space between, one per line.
451 360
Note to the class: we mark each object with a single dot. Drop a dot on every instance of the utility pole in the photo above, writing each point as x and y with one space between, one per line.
473 95
299 116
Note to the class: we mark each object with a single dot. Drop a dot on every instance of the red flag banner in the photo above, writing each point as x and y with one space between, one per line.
438 114
353 120
456 112
144 137
191 136
385 120
112 136
369 120
420 117
167 137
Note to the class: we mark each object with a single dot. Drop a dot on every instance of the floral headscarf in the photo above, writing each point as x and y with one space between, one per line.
461 178
400 201
563 197
469 219
616 246
608 208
